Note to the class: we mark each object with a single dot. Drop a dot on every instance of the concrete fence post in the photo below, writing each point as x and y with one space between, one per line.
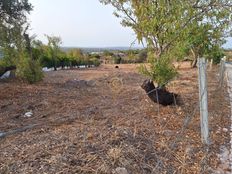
222 71
203 99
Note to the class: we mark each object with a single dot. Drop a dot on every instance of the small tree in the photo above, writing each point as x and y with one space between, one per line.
117 59
216 53
205 38
166 27
54 49
142 57
15 42
13 18
29 69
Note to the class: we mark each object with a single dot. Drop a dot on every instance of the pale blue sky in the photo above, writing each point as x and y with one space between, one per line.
81 23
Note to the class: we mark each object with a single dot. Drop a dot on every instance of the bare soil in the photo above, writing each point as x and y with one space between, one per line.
95 120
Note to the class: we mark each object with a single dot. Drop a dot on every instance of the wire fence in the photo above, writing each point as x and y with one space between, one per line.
206 148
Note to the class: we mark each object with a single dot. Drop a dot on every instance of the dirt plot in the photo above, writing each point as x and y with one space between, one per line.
96 120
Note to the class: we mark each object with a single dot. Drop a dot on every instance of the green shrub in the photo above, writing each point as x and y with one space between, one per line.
160 70
216 53
108 53
95 61
46 61
71 59
142 56
117 59
29 70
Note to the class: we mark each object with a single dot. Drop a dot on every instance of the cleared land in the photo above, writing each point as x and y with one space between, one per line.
95 120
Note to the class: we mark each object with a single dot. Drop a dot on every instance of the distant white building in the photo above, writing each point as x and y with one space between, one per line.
96 53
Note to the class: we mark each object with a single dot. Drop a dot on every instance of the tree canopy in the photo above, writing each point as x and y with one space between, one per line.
13 20
171 28
54 43
15 43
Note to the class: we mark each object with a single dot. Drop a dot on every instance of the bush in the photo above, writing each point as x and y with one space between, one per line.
160 70
46 61
65 61
117 59
95 62
142 56
107 53
29 70
72 58
216 53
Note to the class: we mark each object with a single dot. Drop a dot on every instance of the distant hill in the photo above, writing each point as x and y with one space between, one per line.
101 49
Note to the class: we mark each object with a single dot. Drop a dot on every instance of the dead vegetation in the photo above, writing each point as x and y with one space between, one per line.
96 120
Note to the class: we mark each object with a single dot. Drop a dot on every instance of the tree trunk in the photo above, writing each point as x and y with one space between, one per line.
194 62
54 64
159 95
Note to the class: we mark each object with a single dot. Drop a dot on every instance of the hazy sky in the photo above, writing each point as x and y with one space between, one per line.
81 23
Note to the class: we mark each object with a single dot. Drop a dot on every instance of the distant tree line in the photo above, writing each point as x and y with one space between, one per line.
51 55
46 55
26 55
125 56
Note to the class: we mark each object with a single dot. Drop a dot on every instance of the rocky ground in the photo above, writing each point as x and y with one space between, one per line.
100 120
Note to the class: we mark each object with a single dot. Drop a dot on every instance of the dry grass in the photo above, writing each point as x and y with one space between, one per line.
89 127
